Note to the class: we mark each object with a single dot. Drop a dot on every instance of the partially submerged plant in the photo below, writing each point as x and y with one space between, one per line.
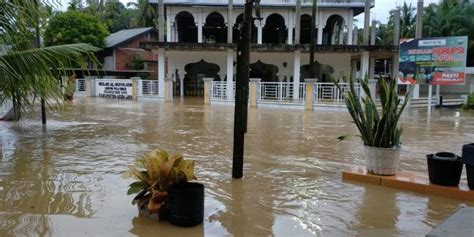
156 172
377 129
469 103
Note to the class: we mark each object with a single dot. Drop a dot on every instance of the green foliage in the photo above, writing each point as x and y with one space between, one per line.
470 102
29 73
156 172
136 63
377 129
73 27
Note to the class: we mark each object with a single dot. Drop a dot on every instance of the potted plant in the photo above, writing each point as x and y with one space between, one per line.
379 129
158 174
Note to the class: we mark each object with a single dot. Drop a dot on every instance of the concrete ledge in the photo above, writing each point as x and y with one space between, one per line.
410 182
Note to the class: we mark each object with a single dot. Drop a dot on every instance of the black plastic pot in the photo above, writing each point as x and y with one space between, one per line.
186 204
444 168
468 159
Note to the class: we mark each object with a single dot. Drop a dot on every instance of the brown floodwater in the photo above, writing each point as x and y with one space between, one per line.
66 179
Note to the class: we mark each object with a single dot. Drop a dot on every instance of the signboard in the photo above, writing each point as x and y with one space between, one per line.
437 61
114 88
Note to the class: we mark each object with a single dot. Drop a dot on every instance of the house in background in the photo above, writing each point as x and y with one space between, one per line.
122 56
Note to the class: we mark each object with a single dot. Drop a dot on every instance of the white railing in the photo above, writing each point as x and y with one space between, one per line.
279 91
148 88
80 85
327 92
218 90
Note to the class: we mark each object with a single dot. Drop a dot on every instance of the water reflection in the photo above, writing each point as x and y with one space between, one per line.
55 181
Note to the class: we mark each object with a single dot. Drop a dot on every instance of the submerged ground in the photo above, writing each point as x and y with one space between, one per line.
66 180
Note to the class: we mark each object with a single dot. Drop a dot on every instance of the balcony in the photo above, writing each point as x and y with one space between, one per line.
271 3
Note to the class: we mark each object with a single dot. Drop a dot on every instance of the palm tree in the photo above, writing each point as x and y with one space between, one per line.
145 14
407 21
29 73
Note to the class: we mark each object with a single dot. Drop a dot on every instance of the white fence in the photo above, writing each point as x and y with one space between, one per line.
147 88
218 90
328 93
281 92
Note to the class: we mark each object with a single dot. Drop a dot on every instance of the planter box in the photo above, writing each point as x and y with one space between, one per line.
446 172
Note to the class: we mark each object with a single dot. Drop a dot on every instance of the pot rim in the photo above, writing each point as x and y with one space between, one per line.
396 148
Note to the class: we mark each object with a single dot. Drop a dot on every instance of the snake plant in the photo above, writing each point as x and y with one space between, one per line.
377 127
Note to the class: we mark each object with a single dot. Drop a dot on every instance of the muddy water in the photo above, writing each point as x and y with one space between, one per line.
66 179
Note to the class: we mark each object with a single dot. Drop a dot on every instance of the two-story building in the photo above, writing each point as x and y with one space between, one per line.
201 36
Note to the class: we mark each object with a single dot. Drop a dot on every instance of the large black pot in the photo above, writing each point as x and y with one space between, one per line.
186 204
468 159
444 168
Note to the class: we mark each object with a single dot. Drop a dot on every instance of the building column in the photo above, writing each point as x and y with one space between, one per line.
168 29
372 33
254 82
354 70
135 87
364 68
161 72
350 27
230 22
259 32
320 35
310 87
169 89
373 88
290 28
296 75
341 35
230 74
181 87
355 39
199 25
372 68
366 23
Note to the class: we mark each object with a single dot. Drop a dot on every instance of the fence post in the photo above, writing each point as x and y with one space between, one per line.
254 82
310 86
90 86
134 87
207 90
169 89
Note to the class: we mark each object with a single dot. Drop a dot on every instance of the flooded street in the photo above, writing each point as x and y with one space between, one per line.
66 179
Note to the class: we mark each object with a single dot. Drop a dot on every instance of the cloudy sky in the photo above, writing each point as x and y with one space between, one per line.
379 12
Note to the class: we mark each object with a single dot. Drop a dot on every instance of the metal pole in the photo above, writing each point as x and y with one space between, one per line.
311 53
241 97
38 45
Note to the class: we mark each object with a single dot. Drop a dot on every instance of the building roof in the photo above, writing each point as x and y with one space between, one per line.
269 3
124 35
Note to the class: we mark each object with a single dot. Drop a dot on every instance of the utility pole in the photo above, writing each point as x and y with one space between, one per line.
241 91
38 45
312 32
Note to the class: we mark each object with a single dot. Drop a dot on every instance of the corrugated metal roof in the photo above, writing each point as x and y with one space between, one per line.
124 35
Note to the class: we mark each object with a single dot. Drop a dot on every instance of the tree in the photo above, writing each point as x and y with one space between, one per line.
145 14
116 16
75 27
29 73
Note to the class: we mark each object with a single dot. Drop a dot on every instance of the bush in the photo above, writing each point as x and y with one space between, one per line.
470 102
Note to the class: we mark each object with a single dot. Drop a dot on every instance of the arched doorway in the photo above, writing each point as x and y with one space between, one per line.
195 72
215 30
238 26
274 31
266 72
333 33
187 30
322 71
305 31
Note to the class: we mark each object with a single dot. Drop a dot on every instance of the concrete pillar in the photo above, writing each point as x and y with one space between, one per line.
135 87
366 22
169 89
181 87
372 68
341 35
355 38
254 83
161 21
354 70
290 33
364 68
161 72
90 86
259 32
207 90
350 27
297 19
168 29
230 75
230 22
396 27
64 84
296 75
319 39
199 25
310 87
372 32
419 20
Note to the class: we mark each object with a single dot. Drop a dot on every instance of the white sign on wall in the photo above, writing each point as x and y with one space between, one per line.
117 89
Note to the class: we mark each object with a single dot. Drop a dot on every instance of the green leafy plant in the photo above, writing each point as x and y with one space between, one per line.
156 172
469 103
377 128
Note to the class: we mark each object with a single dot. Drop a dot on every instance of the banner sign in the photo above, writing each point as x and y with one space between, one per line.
114 88
437 61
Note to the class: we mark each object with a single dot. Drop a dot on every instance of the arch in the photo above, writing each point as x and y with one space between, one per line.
333 32
215 29
322 71
195 72
267 72
305 30
237 27
274 31
187 30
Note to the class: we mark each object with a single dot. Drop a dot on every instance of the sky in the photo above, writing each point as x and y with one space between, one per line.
380 12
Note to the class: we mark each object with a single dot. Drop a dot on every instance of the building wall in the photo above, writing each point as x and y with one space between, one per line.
125 52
